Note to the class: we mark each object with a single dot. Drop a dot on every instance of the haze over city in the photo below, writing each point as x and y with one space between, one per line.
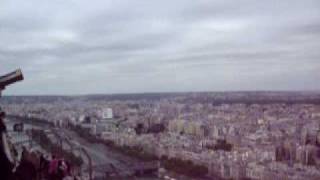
82 47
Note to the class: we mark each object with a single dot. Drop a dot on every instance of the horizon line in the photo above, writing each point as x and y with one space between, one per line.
171 92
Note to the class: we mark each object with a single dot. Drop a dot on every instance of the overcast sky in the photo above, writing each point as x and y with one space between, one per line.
83 47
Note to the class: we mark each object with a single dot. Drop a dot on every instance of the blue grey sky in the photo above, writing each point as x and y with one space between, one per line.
127 46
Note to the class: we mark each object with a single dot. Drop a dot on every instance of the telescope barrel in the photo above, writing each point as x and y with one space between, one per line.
10 78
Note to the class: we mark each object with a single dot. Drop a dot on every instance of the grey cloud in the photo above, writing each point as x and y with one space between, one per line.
181 45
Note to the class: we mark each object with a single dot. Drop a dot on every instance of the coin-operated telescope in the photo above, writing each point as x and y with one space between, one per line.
10 78
6 80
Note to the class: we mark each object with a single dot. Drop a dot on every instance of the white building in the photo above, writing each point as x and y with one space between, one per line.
107 113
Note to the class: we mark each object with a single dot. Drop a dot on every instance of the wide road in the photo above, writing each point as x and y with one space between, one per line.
99 153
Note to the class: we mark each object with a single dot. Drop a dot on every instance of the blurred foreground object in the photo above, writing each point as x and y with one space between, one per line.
6 160
10 78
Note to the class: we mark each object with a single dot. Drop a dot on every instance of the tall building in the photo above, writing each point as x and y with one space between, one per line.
107 113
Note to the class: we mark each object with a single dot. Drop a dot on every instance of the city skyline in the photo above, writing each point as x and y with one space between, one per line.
104 47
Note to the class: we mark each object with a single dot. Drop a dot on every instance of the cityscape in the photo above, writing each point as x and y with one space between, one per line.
235 135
